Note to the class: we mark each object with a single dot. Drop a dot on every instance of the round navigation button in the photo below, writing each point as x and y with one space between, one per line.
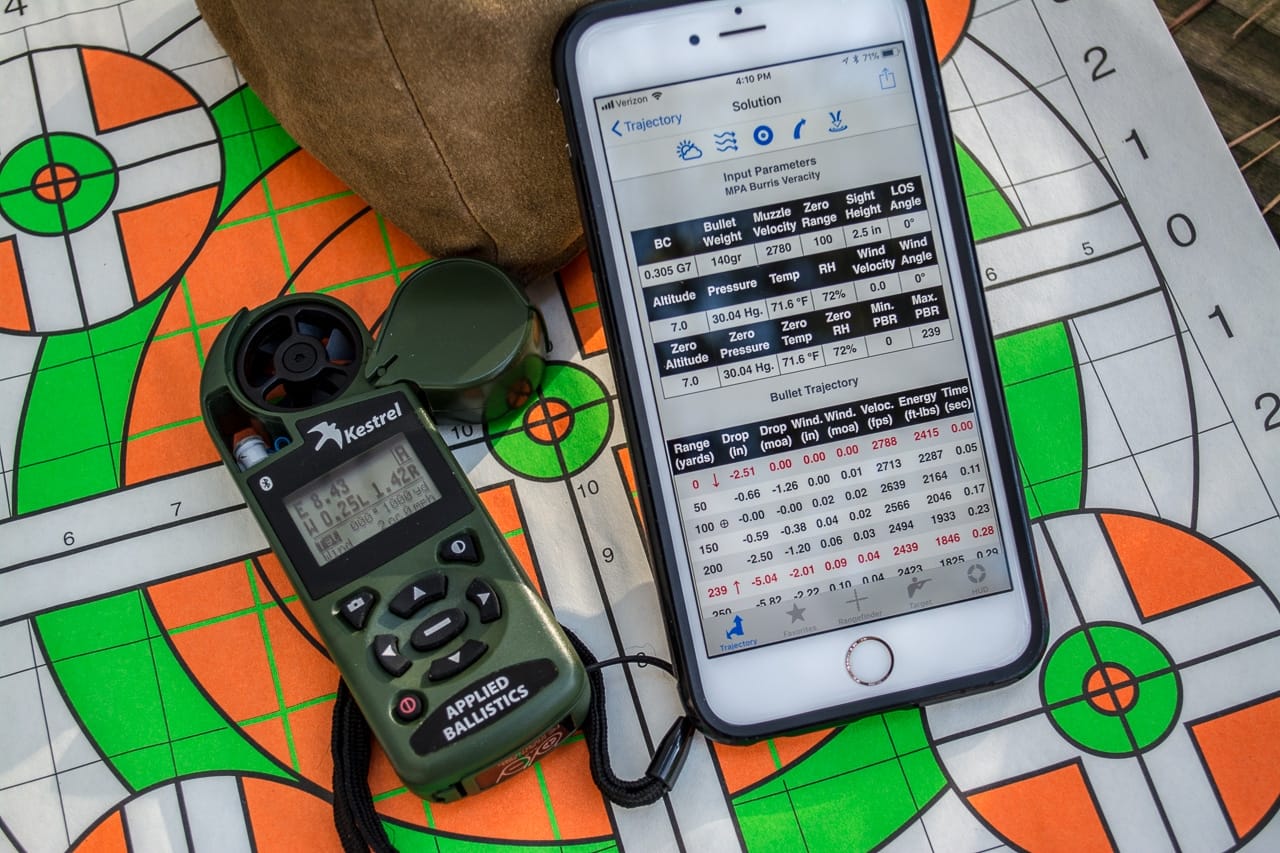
409 706
869 661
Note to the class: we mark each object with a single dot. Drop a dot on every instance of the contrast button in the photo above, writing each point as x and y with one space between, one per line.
461 548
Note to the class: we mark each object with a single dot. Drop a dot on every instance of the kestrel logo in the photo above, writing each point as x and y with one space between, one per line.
328 431
345 437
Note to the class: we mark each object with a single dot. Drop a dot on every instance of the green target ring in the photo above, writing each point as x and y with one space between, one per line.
1111 689
56 184
560 431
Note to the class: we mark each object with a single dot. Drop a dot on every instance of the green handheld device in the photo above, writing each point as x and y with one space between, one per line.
459 666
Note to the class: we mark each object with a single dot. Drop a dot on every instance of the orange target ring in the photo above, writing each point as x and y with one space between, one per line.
950 19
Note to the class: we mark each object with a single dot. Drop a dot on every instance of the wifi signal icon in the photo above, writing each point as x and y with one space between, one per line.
657 96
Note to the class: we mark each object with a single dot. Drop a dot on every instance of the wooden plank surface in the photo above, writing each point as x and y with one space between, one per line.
1240 79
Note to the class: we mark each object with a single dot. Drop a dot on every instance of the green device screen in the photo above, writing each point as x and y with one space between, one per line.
358 499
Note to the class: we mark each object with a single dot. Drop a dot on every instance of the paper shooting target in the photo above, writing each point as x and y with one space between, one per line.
1134 725
110 170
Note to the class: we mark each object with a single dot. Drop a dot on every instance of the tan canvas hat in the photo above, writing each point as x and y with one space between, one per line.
441 113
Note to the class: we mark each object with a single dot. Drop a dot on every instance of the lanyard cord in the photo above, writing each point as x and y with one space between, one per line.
668 760
354 817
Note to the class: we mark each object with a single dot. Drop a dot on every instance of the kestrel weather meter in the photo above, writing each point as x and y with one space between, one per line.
457 663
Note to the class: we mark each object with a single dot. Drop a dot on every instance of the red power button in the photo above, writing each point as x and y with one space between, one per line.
409 706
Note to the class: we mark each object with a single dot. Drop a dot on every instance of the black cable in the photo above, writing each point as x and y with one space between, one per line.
667 761
261 572
641 660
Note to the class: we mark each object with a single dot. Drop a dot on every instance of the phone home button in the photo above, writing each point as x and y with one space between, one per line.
869 661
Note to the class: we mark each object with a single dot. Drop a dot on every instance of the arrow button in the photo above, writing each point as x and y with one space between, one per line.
386 650
615 127
419 594
485 599
455 662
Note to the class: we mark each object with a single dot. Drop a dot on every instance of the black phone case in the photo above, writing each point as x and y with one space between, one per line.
683 635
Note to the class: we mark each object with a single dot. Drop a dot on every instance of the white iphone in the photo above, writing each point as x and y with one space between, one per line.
777 228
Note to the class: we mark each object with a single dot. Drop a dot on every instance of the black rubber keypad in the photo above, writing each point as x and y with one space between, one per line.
437 630
386 651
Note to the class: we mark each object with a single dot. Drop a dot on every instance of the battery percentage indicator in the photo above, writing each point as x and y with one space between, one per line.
869 55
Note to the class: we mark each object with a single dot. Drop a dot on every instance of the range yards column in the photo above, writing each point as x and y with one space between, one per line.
791 287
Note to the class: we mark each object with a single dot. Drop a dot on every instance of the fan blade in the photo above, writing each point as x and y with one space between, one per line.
340 348
311 330
272 390
272 335
260 368
297 395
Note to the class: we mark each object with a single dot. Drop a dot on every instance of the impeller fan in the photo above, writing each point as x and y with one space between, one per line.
300 355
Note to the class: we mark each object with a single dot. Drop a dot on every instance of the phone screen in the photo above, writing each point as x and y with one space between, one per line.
800 337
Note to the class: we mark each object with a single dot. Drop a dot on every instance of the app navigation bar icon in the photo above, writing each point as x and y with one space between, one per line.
857 600
726 140
763 135
916 585
687 150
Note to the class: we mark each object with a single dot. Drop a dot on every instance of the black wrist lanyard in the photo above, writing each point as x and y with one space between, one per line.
359 827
